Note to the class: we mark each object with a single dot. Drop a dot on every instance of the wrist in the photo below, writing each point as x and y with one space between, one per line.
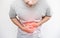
20 26
40 23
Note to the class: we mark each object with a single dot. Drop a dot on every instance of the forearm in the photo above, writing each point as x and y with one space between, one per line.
16 22
45 19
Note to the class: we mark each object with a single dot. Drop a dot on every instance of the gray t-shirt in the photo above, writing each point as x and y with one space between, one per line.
25 13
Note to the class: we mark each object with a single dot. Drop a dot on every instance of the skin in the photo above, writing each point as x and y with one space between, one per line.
18 23
30 2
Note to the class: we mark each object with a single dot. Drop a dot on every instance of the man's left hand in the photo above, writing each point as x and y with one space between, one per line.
36 24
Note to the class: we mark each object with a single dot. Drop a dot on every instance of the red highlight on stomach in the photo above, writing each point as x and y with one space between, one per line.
30 26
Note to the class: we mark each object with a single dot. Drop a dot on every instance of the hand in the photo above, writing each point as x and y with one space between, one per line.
36 24
30 27
27 29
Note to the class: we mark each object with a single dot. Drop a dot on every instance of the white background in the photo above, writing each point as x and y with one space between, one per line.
50 29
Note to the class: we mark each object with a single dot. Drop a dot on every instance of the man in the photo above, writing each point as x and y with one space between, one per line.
29 15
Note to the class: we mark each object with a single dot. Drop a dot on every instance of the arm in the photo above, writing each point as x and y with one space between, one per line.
15 20
17 23
12 15
46 17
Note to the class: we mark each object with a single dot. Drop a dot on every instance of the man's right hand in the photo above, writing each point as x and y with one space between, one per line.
18 23
26 29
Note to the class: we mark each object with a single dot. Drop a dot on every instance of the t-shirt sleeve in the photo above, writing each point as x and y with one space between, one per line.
48 12
12 13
